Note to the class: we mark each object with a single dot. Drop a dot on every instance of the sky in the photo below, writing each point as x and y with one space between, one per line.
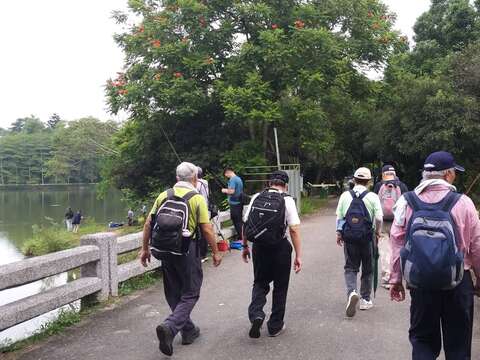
56 55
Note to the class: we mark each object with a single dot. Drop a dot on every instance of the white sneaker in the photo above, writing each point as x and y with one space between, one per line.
365 304
352 304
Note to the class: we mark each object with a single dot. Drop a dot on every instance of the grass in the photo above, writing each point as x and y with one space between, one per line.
310 205
66 319
138 283
48 239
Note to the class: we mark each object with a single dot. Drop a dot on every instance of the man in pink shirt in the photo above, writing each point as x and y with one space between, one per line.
435 312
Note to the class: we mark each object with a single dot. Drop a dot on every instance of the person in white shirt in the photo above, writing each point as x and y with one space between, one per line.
202 188
272 258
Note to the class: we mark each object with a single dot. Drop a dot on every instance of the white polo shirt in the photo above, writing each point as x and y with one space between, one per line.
291 213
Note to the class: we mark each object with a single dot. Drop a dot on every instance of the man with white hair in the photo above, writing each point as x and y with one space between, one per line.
435 241
389 191
359 216
182 273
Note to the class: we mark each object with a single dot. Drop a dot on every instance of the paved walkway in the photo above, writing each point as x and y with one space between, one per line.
316 325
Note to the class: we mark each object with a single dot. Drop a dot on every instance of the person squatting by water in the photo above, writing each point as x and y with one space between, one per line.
268 216
178 249
359 220
435 239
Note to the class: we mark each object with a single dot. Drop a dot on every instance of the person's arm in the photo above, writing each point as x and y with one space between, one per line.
297 245
472 240
378 214
340 219
145 255
397 242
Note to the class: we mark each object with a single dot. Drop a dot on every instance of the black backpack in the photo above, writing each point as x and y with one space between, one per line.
170 225
266 221
358 225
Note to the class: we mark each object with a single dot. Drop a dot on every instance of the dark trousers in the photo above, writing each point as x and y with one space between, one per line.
202 245
271 265
182 280
236 213
357 255
448 313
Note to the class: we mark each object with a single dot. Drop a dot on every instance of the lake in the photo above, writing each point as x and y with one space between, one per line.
21 209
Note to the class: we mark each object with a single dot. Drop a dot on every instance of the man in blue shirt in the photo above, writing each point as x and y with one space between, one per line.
234 192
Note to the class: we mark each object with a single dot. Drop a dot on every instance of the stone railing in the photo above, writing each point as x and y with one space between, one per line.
100 273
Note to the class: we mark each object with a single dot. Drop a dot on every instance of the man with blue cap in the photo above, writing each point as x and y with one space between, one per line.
435 240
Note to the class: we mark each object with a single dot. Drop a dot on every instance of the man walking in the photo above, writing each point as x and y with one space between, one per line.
234 191
266 220
359 215
182 273
389 191
436 236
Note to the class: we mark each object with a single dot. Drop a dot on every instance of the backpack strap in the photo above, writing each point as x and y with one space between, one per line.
450 200
362 195
354 195
170 194
412 200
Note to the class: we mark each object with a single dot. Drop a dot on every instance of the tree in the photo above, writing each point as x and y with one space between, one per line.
430 97
53 121
214 77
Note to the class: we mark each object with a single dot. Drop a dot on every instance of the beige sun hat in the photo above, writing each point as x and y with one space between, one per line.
363 173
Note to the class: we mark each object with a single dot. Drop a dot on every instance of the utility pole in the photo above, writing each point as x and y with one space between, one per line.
276 147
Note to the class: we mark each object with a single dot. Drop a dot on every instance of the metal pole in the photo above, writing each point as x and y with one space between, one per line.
276 147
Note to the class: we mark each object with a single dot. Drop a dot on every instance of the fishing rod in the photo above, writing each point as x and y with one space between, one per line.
219 232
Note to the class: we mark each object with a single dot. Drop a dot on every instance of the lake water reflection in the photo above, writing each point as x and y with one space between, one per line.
20 210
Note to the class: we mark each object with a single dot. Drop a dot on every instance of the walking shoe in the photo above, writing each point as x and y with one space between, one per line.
386 286
165 339
205 259
279 332
352 304
255 329
189 337
365 304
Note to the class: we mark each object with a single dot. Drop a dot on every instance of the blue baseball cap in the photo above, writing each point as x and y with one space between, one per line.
441 160
388 168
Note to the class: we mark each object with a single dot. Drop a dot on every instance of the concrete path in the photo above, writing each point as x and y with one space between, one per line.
316 325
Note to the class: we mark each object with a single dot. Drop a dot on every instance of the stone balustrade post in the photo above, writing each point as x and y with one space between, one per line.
106 242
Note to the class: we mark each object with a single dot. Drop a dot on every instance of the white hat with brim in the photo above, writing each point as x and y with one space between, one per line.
363 173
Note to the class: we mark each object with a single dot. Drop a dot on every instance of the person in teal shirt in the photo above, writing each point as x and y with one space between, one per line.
234 191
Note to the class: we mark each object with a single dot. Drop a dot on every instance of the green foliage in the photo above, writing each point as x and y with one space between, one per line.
216 77
31 153
430 97
310 205
55 237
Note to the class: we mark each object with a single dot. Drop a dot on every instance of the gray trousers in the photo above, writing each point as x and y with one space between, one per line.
182 280
357 255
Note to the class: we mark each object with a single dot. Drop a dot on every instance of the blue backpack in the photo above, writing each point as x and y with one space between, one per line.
431 259
358 225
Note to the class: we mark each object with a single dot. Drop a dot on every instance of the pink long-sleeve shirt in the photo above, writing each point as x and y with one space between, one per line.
466 219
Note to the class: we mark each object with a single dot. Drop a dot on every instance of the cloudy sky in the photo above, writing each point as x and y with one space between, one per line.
57 54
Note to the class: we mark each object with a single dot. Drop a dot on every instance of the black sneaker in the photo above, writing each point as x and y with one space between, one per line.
165 338
255 329
277 333
189 338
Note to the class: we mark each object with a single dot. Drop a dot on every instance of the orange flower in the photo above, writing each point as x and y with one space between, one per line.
370 14
274 26
122 91
376 26
141 29
209 61
156 43
157 76
299 24
178 75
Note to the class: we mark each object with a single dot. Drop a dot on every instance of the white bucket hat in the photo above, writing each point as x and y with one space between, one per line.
363 173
